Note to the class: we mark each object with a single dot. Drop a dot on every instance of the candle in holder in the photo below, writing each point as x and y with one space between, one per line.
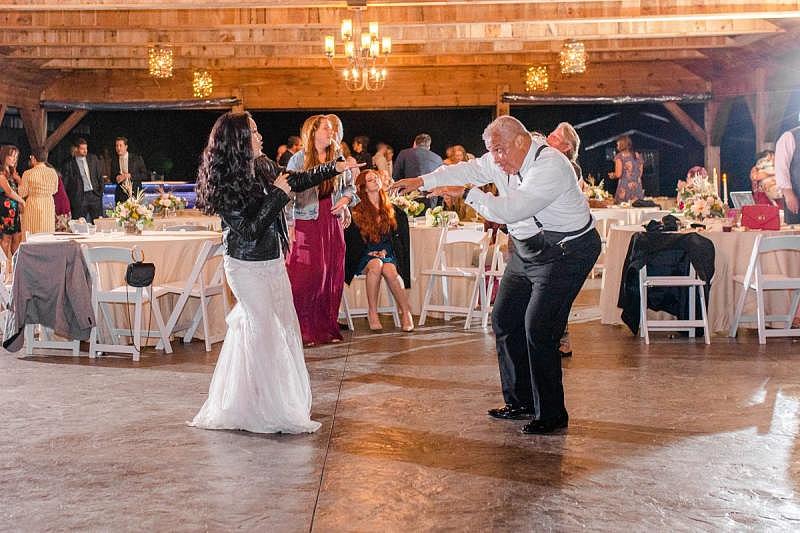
725 188
714 181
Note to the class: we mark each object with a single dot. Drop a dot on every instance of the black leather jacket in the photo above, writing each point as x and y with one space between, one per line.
258 231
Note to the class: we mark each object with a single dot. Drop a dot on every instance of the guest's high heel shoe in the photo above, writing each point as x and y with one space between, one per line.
407 322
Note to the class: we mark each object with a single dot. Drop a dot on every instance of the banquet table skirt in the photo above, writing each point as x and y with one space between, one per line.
173 254
424 242
732 254
185 217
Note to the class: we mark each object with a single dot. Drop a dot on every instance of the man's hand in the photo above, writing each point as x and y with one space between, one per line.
120 178
792 204
451 193
406 185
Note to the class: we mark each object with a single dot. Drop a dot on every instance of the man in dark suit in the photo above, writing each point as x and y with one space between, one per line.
416 161
126 167
83 183
293 145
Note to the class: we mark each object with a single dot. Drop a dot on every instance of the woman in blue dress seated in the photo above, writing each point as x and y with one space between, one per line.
378 247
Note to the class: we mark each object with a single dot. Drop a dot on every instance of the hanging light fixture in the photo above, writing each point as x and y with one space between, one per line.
537 79
202 84
573 57
365 53
160 61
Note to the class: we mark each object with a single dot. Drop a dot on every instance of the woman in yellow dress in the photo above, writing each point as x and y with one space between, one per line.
39 184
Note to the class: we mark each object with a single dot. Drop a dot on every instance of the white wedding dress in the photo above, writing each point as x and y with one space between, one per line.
260 383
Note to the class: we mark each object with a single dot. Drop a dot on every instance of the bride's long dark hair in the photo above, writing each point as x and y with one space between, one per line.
225 178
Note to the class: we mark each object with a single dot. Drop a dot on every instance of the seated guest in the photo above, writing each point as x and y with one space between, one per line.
126 168
378 246
39 184
382 160
455 154
763 182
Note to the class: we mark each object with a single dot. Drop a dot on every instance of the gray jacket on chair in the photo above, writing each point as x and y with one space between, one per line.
52 287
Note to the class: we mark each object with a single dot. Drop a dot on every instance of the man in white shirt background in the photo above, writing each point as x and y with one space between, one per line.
787 172
556 246
126 167
83 183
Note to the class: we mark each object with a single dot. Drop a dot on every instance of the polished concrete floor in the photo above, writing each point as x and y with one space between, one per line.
676 436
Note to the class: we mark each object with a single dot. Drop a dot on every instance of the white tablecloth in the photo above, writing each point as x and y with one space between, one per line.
732 254
630 215
173 254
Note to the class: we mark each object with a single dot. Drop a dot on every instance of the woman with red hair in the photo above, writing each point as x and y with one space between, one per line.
377 246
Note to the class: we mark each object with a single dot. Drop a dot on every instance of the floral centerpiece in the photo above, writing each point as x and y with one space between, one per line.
166 203
133 214
438 217
408 204
698 200
597 195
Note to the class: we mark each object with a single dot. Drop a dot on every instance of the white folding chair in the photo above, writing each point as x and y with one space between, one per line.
693 283
604 222
496 269
185 227
442 271
755 280
647 216
103 298
349 313
195 286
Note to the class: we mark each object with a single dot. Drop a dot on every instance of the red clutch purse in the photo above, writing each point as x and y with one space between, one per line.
766 217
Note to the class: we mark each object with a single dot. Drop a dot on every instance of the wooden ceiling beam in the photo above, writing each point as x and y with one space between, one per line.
512 32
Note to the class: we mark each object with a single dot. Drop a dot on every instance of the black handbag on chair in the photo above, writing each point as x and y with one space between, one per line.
140 274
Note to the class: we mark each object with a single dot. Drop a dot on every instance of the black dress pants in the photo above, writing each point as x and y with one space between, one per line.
530 313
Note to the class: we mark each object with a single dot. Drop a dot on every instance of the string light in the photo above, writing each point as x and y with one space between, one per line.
202 84
537 79
573 58
160 61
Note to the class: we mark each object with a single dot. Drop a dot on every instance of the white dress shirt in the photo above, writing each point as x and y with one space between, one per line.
123 163
545 188
784 151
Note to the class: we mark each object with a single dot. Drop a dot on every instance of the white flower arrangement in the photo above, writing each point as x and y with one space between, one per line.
408 203
438 217
699 200
167 201
133 210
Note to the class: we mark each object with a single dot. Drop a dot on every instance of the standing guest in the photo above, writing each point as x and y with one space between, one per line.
84 183
359 151
39 184
628 167
280 151
378 246
10 201
787 172
260 383
455 154
416 161
62 206
316 262
126 168
293 145
555 248
565 139
382 160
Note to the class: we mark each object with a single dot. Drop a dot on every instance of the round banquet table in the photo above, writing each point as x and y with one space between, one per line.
424 241
732 254
172 252
185 217
630 215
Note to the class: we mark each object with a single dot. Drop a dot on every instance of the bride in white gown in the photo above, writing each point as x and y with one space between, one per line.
260 383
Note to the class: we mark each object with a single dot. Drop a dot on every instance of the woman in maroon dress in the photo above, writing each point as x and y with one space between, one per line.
316 261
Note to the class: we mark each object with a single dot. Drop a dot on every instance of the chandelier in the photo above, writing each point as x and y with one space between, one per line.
160 61
573 57
537 79
365 53
202 84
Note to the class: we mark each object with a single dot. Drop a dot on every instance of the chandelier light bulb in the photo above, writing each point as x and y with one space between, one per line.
365 54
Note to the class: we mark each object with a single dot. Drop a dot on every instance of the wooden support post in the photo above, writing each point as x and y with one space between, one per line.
3 109
501 108
238 108
686 121
34 119
64 128
760 109
715 120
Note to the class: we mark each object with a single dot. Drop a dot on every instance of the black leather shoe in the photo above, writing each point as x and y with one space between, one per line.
544 427
511 412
